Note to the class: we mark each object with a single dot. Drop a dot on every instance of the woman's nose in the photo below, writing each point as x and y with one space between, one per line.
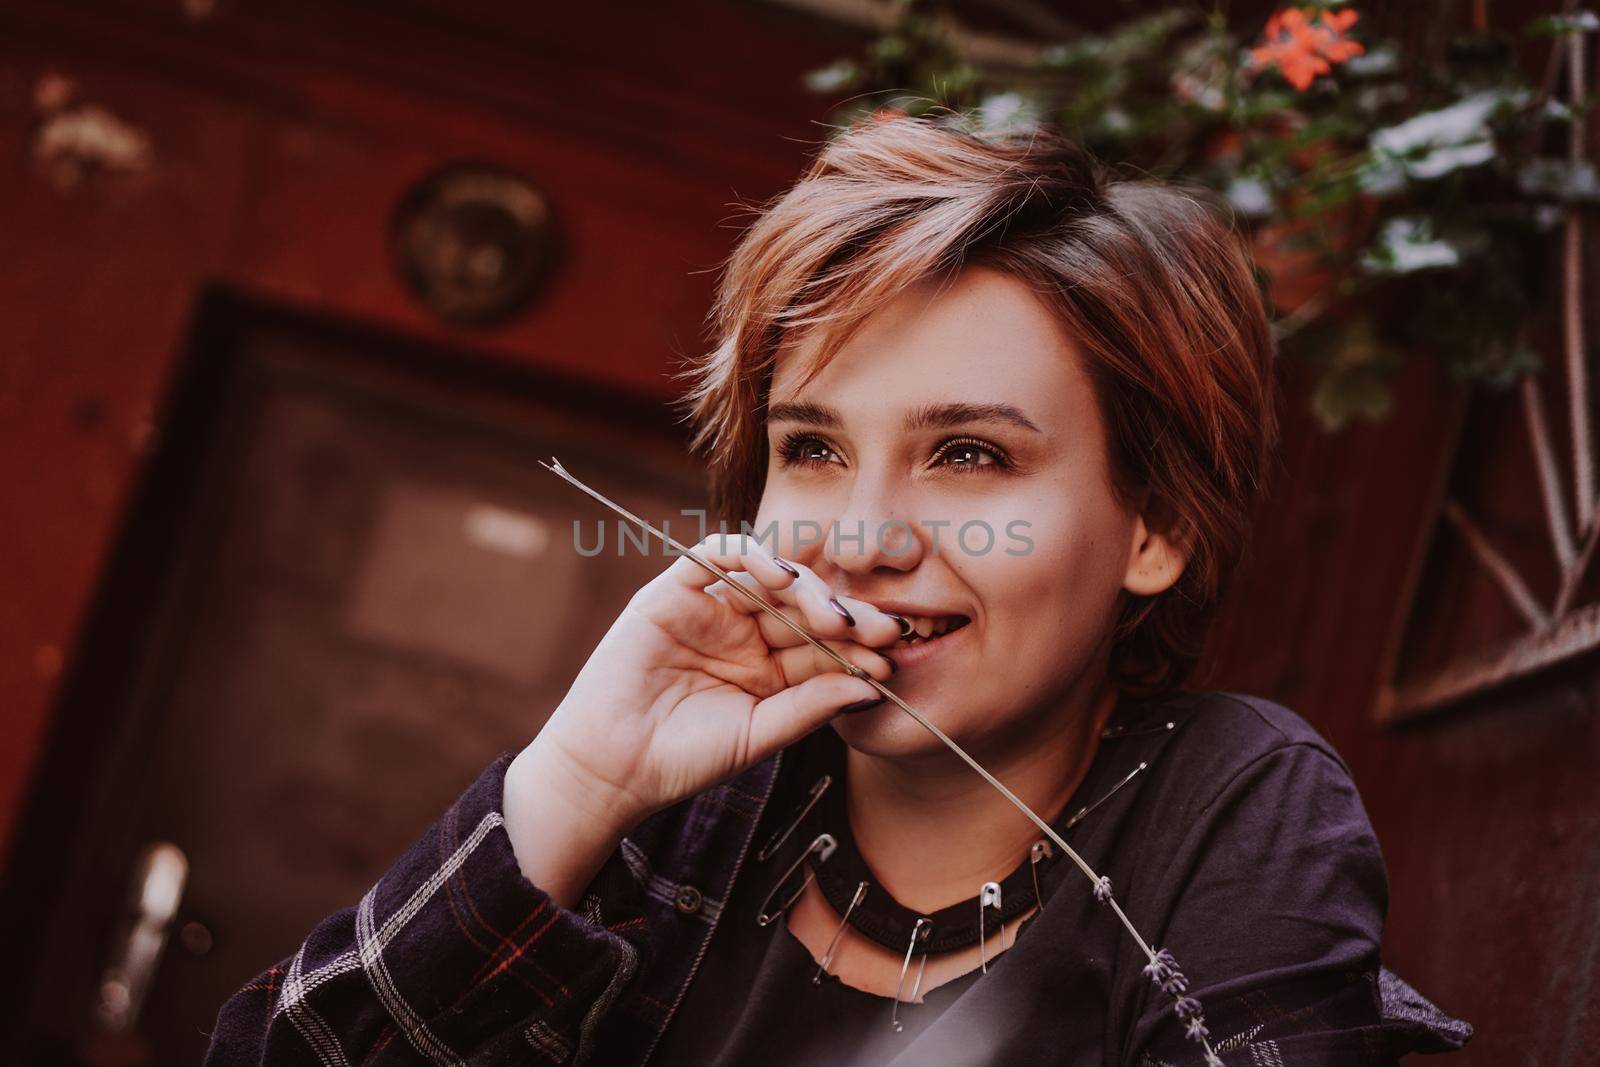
865 540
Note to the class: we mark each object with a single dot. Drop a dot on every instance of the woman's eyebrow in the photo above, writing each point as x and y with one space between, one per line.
946 416
804 411
927 417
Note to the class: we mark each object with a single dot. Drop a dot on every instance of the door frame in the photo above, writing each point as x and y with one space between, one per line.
65 875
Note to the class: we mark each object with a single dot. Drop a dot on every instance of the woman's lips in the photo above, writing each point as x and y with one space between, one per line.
906 655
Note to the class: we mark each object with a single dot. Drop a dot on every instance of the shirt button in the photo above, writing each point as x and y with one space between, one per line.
688 900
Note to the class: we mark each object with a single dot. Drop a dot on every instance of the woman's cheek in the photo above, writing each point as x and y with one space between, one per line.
1061 590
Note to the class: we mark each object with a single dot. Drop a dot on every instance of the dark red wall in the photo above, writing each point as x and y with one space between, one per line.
1487 812
281 144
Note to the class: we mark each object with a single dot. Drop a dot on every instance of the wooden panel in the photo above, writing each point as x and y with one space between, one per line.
1486 815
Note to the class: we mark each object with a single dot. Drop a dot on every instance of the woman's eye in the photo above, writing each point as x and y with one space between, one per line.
806 450
969 453
963 454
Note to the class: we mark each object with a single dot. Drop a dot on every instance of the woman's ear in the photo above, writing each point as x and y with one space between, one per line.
1158 556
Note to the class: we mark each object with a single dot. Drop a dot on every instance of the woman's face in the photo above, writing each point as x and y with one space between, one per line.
950 464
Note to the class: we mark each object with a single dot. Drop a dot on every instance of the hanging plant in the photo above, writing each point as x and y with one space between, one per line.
1400 202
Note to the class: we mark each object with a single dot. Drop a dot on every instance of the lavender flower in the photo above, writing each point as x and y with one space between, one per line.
1102 889
1164 972
1161 967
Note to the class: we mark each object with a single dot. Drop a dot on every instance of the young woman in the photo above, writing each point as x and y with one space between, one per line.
993 423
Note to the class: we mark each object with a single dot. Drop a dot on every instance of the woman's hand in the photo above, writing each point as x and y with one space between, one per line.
691 685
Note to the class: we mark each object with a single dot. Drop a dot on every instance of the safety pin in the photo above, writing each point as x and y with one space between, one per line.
802 809
1112 733
1040 852
1081 812
823 846
989 897
919 932
827 957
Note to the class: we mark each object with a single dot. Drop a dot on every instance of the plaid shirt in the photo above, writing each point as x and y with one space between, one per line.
454 957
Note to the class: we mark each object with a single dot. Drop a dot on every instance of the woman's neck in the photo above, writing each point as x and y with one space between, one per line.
934 831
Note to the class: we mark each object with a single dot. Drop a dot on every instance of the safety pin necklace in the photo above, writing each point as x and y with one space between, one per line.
990 896
1162 968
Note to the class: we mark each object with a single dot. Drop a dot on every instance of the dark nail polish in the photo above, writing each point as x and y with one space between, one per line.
905 624
860 705
849 619
785 565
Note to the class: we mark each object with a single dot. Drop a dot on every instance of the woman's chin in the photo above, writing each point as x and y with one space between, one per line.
888 732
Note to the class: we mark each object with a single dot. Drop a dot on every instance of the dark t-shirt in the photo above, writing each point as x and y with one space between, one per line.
1242 847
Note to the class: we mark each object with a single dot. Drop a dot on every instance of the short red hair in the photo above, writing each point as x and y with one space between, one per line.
1151 280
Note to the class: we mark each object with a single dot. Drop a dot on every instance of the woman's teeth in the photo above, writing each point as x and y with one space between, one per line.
927 627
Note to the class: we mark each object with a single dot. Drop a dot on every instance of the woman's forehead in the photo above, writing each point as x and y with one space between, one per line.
983 340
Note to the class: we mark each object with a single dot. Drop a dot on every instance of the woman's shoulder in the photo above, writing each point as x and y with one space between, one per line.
1264 876
1246 759
1223 731
1238 717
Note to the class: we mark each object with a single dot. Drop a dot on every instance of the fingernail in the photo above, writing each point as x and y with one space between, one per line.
860 705
785 565
893 666
905 624
849 619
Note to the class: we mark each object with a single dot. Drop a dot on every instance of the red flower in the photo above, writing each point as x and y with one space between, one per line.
1301 49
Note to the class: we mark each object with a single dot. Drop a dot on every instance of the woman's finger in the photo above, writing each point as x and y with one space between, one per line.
774 633
777 635
874 626
790 714
822 612
831 615
743 604
806 661
731 552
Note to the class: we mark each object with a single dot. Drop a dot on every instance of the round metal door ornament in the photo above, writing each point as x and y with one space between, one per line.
474 242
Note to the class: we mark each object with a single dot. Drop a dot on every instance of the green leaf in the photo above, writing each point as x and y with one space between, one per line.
838 76
1561 25
1411 243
